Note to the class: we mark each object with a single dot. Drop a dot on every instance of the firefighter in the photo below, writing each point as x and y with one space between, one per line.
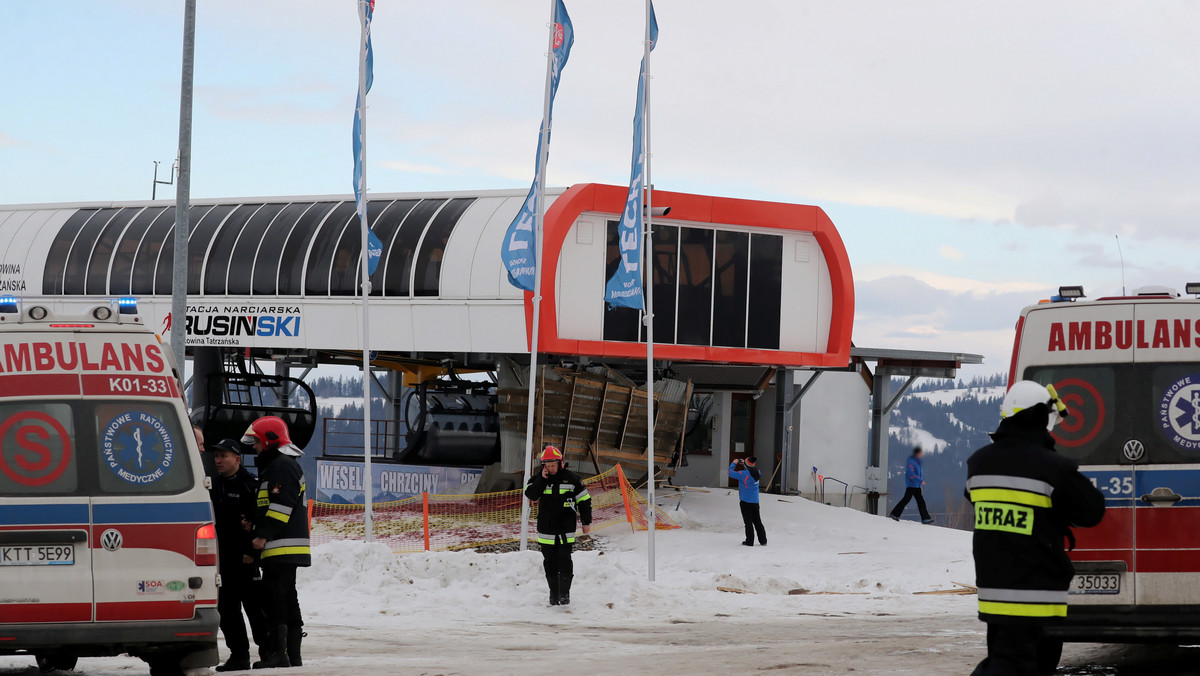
233 496
280 531
1026 498
560 494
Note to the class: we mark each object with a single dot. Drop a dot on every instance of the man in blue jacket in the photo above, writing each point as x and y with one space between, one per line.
748 476
914 480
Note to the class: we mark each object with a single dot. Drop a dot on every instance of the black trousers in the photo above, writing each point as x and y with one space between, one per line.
909 494
239 590
281 605
556 560
753 522
1019 650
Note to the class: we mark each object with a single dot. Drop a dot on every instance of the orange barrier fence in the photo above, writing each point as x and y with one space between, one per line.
431 522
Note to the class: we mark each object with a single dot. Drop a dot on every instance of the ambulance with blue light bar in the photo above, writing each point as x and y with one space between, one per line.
1128 369
107 543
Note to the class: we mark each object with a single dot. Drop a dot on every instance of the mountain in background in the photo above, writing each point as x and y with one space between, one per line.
949 420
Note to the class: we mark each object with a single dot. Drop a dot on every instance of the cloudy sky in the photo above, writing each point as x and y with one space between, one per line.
973 157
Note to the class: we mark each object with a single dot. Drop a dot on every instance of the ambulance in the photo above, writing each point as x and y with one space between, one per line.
1128 369
107 542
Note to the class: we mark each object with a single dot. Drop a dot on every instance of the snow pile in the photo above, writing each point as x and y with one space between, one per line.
863 563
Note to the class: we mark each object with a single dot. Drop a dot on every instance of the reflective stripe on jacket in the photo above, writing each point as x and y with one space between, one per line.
282 515
1026 497
559 499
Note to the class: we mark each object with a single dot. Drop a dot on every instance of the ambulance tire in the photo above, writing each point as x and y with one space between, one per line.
51 663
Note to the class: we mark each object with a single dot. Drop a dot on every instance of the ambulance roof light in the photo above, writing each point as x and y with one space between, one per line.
1070 293
1192 288
127 305
9 304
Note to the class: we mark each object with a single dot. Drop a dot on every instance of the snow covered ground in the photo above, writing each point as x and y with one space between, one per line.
952 395
372 612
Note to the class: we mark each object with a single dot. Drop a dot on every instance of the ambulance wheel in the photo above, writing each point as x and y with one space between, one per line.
49 663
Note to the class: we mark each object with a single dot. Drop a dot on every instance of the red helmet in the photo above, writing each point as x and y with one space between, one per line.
271 430
551 453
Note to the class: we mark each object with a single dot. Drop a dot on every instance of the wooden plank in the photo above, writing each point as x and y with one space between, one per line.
570 411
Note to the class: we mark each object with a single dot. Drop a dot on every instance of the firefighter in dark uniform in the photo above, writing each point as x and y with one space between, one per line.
560 495
1026 498
233 496
280 531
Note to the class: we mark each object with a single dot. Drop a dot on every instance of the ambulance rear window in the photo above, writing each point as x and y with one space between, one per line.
89 447
38 454
1139 413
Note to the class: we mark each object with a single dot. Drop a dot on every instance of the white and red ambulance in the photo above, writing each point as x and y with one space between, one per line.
107 543
1128 368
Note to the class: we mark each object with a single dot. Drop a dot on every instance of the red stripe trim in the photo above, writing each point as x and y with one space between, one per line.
144 610
171 537
41 384
1168 561
45 612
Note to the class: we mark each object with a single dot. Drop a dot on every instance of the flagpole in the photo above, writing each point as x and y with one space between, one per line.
648 283
368 483
538 218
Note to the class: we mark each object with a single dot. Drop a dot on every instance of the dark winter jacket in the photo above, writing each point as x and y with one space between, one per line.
233 499
1026 498
747 482
559 498
914 476
282 510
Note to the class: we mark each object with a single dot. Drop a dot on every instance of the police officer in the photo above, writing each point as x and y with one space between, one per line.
280 532
560 494
1026 498
233 496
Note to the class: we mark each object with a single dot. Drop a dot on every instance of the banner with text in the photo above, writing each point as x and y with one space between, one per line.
341 482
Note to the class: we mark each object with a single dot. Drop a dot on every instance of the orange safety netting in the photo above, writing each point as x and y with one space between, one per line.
447 522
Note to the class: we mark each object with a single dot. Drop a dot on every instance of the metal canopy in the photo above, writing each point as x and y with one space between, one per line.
889 363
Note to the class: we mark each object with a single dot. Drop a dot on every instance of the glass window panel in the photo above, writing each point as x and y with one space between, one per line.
145 263
241 261
386 227
142 449
102 251
404 248
56 259
433 247
732 254
268 252
766 286
203 224
620 323
46 456
695 286
1107 403
666 269
344 271
291 265
74 281
119 283
164 276
316 273
216 266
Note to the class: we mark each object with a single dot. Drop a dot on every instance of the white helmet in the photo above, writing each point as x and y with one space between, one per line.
1027 394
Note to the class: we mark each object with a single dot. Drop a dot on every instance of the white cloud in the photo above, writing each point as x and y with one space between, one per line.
950 253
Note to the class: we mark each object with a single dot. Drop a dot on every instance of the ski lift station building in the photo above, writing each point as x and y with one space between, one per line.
754 308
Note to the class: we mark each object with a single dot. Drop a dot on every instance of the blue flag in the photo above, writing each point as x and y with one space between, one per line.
520 246
624 288
374 246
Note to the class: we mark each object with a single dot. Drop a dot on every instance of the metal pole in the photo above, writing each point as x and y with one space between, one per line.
648 277
368 483
538 218
183 192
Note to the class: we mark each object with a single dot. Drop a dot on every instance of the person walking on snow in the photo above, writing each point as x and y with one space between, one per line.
1027 498
560 495
748 476
914 481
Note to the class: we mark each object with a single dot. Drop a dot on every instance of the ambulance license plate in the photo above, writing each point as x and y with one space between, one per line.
1096 583
37 555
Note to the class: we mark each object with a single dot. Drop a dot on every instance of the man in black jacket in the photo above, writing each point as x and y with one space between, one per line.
233 496
559 493
1026 498
280 532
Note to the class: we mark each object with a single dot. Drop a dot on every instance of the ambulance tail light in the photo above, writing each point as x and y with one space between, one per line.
206 545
